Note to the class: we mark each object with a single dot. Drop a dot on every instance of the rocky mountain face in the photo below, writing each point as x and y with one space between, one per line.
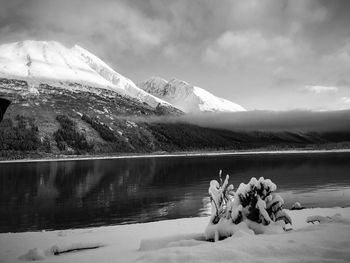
59 96
188 98
35 110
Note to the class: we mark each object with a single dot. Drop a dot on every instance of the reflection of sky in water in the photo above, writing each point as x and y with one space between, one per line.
60 195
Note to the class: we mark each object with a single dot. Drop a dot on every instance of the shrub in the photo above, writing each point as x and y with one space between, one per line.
253 206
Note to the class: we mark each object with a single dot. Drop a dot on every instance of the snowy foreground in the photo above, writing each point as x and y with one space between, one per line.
182 241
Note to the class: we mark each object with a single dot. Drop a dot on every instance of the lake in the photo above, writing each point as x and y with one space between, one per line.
74 194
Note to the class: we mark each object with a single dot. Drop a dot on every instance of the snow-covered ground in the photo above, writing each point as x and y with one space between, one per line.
182 241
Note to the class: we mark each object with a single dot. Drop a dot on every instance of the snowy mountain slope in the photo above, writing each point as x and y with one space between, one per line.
115 78
188 98
50 61
46 60
155 85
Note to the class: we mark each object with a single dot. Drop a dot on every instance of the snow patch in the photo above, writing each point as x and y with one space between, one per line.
33 254
171 241
33 90
131 124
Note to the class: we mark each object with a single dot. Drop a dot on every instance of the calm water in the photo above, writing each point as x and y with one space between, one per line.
59 195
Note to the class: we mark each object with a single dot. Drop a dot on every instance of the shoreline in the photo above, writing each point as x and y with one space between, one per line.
178 154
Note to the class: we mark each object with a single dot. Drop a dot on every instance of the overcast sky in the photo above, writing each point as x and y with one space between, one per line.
262 54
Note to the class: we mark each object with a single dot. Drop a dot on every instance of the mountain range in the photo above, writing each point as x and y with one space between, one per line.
67 101
52 63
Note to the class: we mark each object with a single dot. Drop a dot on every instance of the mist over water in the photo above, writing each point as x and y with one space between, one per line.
293 121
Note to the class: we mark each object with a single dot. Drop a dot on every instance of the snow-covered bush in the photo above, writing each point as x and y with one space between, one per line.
253 207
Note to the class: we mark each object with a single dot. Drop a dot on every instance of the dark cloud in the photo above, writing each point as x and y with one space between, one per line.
236 49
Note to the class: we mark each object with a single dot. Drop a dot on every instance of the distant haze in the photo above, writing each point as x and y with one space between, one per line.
291 121
261 54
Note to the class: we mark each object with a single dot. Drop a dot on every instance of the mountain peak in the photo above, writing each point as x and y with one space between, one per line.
187 97
179 83
156 78
51 62
37 45
153 84
46 60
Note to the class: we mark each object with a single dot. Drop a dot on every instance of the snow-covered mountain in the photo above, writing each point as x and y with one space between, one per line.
51 62
186 97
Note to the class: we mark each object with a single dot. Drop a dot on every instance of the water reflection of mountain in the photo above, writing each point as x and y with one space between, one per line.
98 192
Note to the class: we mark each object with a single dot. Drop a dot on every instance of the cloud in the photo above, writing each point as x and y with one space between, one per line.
235 47
345 100
104 23
292 121
321 89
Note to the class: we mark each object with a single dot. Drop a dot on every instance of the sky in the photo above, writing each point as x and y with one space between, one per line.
261 54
